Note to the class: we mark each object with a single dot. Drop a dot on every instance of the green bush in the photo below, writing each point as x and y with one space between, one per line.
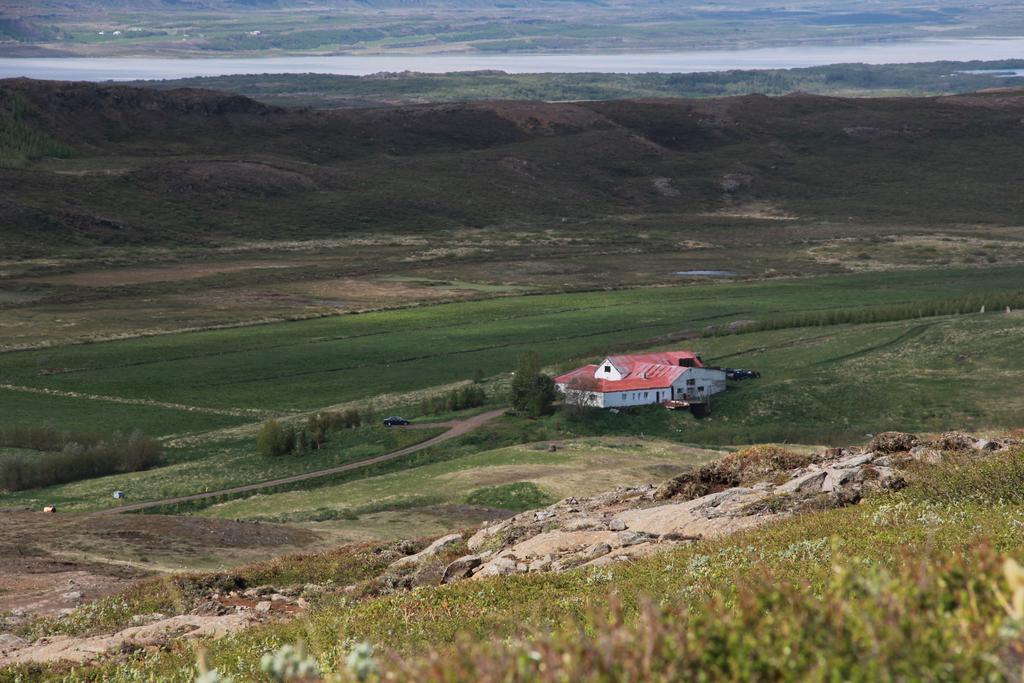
274 440
66 456
532 392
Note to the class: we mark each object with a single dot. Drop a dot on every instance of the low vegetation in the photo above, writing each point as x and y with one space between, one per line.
532 392
53 457
21 142
907 584
462 398
327 91
515 497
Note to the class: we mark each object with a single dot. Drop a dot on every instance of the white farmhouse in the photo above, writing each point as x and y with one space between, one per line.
640 379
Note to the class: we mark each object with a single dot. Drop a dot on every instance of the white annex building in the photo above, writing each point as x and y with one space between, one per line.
640 379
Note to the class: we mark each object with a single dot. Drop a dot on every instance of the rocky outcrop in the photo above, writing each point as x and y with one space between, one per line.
637 521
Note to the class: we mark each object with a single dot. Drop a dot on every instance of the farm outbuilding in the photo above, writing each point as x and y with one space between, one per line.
641 379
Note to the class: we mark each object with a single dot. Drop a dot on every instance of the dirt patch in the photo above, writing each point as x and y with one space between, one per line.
52 563
115 277
353 293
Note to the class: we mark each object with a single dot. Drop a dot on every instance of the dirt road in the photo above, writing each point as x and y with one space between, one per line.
457 428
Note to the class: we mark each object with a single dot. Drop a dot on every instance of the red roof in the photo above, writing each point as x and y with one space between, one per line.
639 371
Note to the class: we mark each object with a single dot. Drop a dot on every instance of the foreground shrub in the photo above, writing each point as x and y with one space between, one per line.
989 479
79 457
274 439
763 460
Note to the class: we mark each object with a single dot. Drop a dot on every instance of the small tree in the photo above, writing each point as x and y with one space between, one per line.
580 393
532 391
273 439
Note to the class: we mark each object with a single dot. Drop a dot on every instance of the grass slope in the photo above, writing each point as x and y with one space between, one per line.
906 585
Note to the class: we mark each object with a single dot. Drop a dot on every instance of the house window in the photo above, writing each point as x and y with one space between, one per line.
645 394
607 368
625 396
690 382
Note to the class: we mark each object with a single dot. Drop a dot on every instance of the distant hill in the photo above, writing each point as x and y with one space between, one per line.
103 164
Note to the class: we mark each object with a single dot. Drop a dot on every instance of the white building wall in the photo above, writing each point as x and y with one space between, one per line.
697 383
705 383
622 399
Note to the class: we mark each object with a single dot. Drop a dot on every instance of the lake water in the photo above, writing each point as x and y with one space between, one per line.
130 68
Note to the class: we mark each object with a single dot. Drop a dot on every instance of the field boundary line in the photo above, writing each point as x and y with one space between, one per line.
456 429
232 412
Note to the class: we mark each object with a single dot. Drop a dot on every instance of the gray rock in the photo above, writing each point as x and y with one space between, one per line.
986 445
836 478
461 568
804 483
72 595
926 455
628 538
264 606
853 461
597 550
584 524
432 550
541 565
617 525
499 566
9 641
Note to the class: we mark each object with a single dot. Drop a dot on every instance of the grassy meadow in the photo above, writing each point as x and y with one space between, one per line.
304 365
215 465
831 373
365 507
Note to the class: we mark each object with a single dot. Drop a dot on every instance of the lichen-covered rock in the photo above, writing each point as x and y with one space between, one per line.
461 568
893 442
432 550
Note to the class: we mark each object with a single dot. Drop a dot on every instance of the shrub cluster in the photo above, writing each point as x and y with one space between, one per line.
66 456
471 396
276 439
532 392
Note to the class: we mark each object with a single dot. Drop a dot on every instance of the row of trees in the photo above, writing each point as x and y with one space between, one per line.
62 457
462 398
276 439
532 393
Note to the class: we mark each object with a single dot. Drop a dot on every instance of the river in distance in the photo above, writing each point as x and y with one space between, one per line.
148 68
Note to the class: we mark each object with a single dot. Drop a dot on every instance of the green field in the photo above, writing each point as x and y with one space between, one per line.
25 409
309 364
821 383
579 467
215 465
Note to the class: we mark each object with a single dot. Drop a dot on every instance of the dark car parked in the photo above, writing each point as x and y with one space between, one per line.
739 373
395 421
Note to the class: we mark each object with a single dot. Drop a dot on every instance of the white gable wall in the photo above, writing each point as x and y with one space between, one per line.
698 383
607 370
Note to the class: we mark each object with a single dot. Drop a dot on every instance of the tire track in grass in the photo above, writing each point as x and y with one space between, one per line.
456 428
230 412
912 333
